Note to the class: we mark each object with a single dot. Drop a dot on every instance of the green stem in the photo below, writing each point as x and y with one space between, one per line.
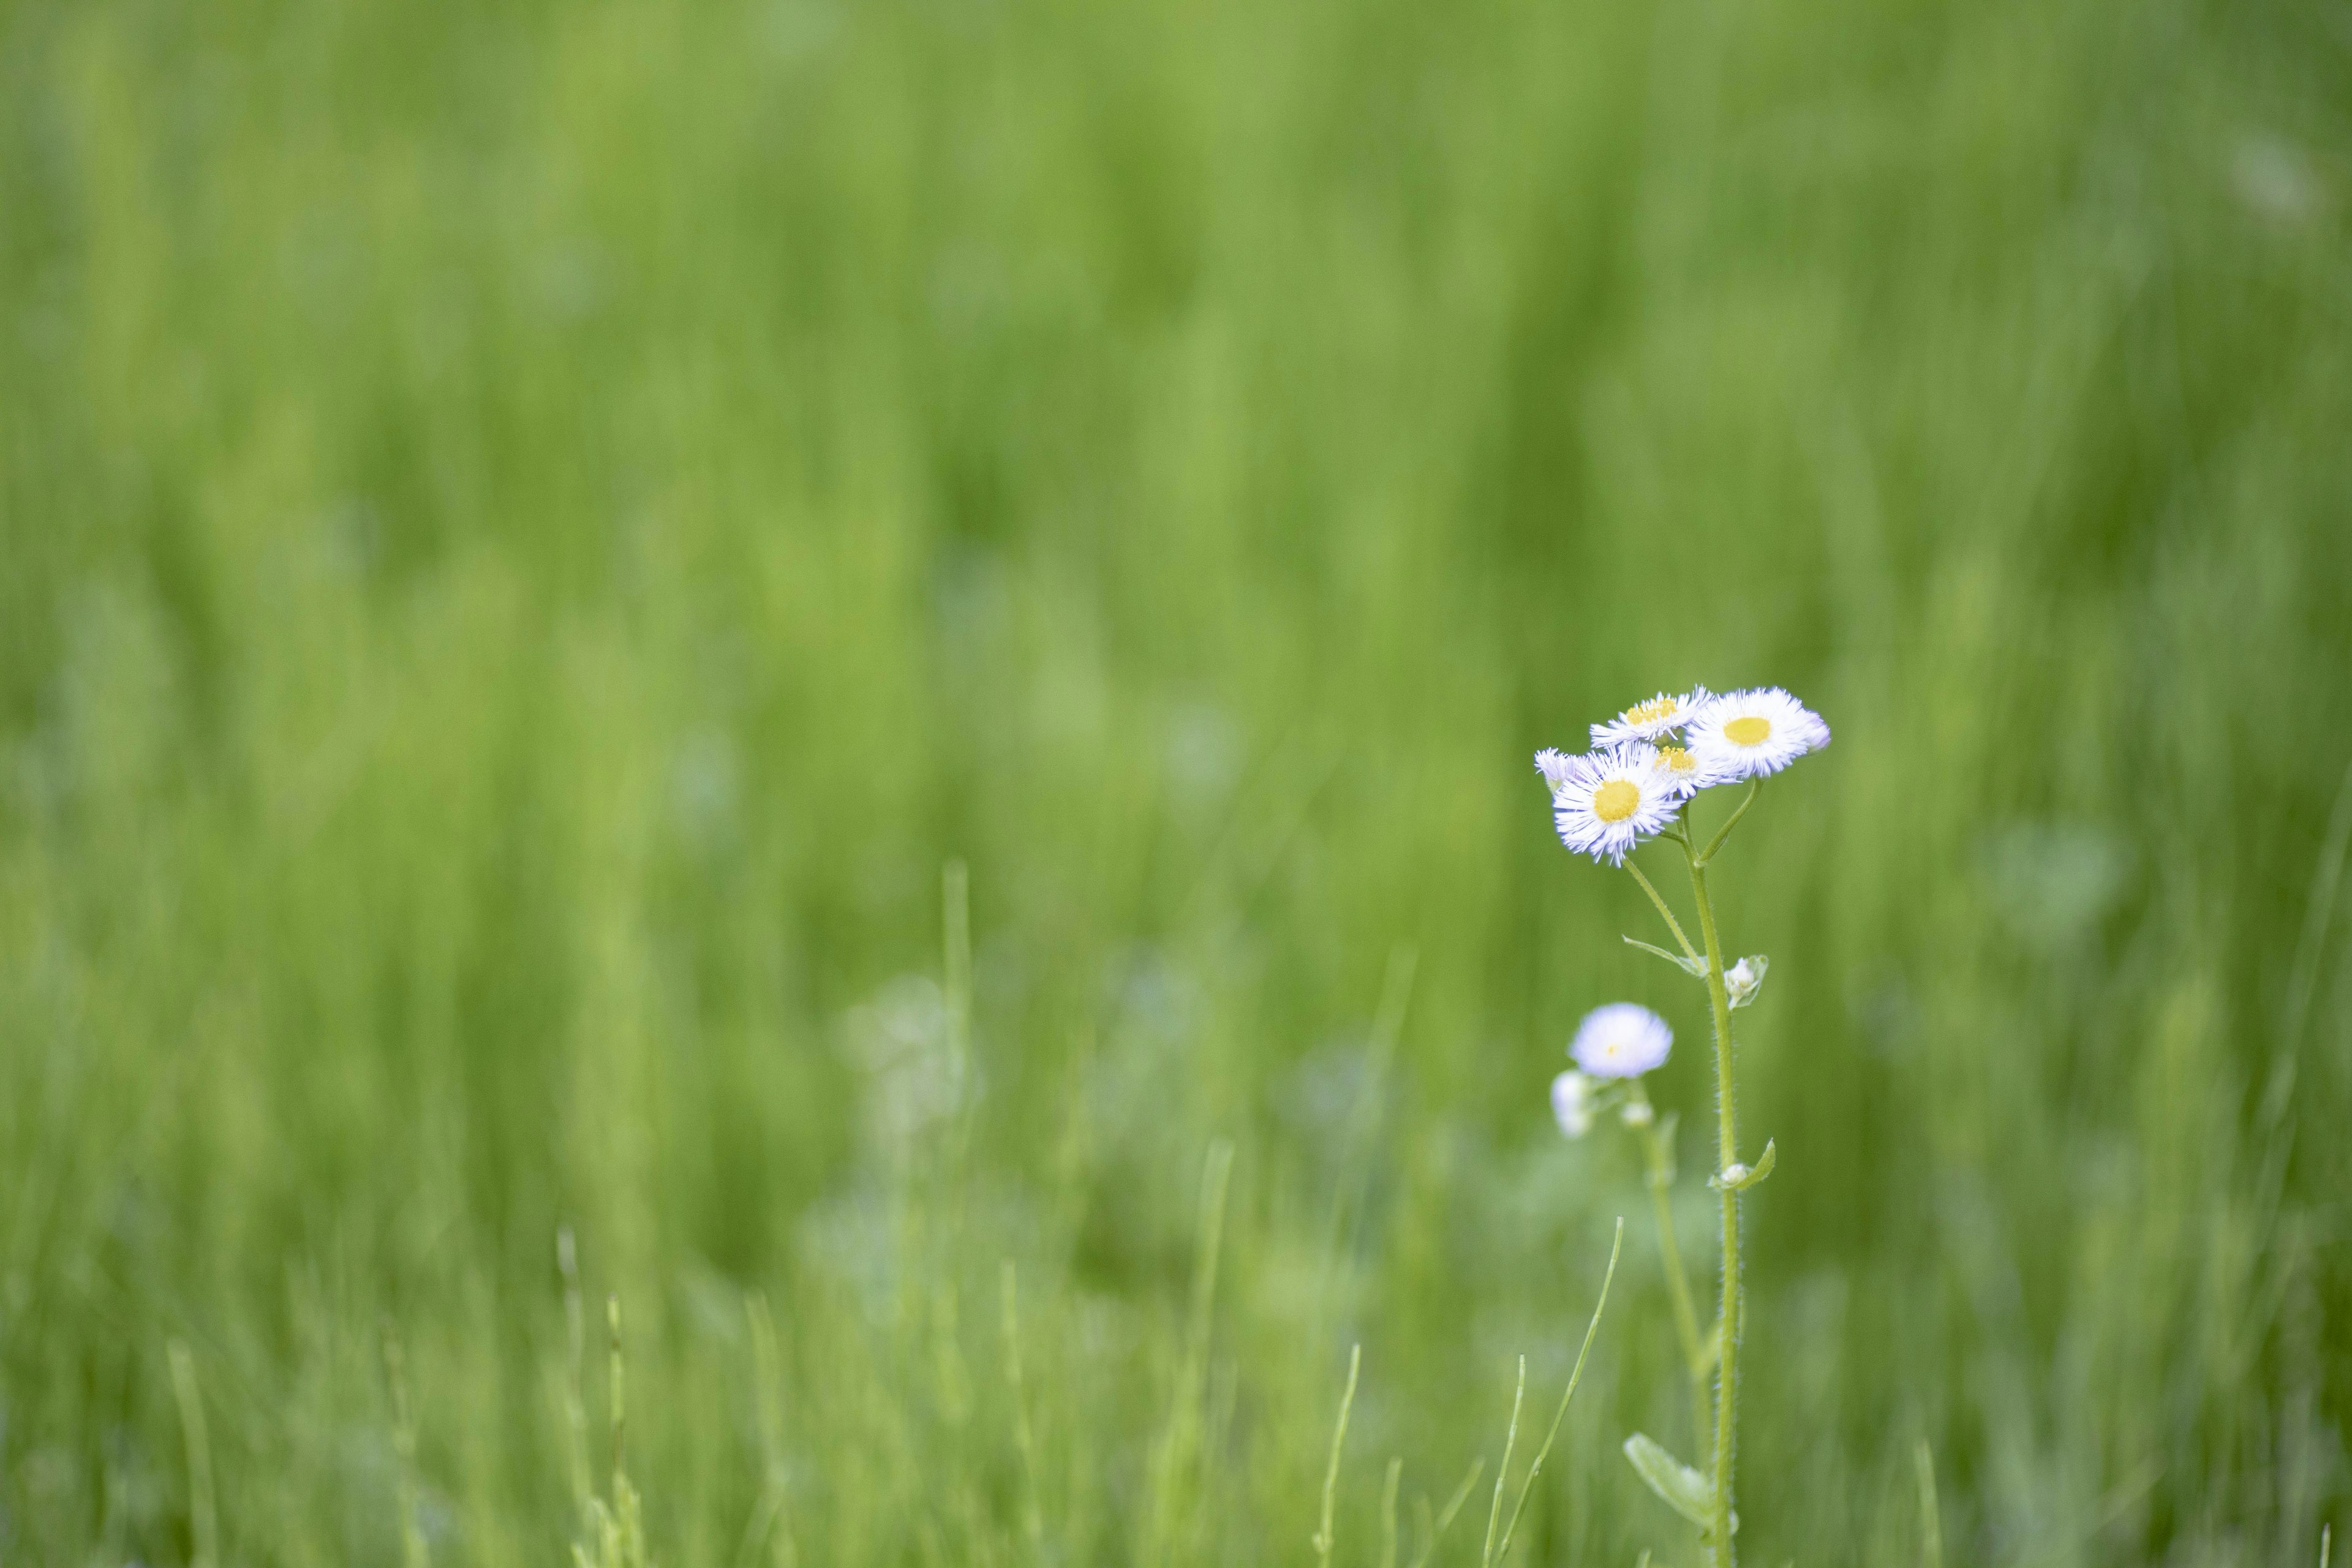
1755 788
1726 1385
1660 1180
1503 1470
1672 924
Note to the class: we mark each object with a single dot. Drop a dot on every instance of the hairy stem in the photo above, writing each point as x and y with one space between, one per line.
1726 1385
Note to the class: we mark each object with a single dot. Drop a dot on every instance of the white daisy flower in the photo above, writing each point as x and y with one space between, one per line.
1606 802
1745 734
1552 762
1572 1103
1621 1040
1660 715
1682 770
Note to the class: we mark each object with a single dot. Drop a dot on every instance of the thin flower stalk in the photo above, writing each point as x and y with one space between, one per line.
1658 1160
1728 1314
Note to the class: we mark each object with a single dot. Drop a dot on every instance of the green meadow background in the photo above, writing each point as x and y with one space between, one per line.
533 537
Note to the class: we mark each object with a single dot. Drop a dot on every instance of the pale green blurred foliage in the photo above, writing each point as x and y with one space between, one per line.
533 533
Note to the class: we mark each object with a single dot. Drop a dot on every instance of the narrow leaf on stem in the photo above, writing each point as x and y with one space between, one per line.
1678 1486
1694 967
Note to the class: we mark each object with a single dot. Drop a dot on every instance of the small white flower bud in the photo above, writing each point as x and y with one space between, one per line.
1572 1103
1637 1113
1745 978
1733 1174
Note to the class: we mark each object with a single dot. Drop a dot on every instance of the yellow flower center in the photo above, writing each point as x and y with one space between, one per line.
1748 731
1650 712
1676 760
1616 800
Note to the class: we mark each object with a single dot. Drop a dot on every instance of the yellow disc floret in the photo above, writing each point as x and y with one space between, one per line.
1650 712
1676 759
1748 730
1616 800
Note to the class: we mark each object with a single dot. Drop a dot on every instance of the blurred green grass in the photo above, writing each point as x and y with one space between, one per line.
534 532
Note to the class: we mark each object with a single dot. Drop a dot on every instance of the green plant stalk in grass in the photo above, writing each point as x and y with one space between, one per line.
1718 1518
1727 1138
1658 1164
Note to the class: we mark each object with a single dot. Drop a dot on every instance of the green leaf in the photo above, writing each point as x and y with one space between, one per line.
1696 968
1678 1486
1740 1178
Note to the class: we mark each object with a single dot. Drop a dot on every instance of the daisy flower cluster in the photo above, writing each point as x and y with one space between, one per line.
1635 783
1648 760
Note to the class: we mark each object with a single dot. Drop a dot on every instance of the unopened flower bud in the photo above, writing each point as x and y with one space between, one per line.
1572 1103
1745 978
1637 1113
1733 1174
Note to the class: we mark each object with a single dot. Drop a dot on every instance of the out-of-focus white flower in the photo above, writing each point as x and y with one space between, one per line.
1572 1103
1608 801
1552 762
1622 1039
1660 715
1745 734
1745 978
1637 1113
